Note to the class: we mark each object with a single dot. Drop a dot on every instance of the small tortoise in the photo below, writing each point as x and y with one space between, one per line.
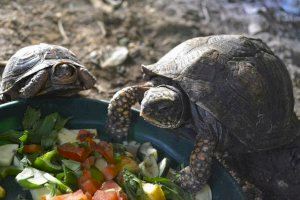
236 94
43 69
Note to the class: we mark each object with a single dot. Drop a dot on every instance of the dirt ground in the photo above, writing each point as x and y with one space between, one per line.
147 28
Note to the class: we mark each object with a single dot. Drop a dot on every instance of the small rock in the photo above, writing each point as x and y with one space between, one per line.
111 57
114 3
123 41
254 28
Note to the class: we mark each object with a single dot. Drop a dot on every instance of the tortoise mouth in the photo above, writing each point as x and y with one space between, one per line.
168 124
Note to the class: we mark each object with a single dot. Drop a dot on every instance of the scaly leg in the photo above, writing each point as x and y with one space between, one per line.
195 176
119 110
36 83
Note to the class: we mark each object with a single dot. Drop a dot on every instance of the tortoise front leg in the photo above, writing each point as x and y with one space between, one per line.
36 83
86 78
119 110
195 176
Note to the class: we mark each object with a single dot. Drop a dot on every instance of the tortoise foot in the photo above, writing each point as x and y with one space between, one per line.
187 180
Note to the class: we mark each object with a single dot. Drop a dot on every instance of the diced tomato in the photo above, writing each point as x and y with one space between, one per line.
73 152
110 172
106 150
78 195
88 162
84 135
105 195
32 148
86 174
89 196
89 186
111 185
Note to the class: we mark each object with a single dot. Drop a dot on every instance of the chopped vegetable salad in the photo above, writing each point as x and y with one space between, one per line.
55 163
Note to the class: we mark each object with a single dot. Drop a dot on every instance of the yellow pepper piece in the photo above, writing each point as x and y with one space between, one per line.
2 193
154 191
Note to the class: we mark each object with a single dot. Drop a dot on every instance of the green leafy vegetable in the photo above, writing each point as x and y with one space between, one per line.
61 122
68 177
132 186
45 131
31 116
41 130
11 136
171 190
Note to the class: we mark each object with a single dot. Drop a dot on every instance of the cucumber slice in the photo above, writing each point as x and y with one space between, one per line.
145 150
164 167
7 154
31 178
149 167
101 164
41 193
204 193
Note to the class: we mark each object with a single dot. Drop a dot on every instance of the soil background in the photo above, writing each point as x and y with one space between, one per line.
147 28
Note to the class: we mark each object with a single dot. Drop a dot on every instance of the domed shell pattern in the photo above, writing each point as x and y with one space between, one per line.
239 81
29 60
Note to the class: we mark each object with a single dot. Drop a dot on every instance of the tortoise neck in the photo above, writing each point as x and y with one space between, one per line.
119 110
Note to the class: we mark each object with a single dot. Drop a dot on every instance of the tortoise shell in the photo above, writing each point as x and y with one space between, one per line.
239 81
31 59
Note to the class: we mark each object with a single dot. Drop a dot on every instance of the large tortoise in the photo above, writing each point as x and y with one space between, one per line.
43 69
238 97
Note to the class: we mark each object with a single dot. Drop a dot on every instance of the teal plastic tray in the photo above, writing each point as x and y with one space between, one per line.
88 113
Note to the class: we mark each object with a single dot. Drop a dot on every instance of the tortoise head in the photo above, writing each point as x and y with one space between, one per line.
64 73
164 106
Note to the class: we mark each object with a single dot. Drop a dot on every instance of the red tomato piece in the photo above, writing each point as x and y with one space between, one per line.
106 150
32 148
105 195
84 135
111 185
89 186
110 172
89 196
78 195
88 162
73 152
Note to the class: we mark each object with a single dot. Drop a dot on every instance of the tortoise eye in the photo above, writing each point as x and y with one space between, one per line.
163 106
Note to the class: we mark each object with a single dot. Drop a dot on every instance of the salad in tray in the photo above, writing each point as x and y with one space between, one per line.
55 163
